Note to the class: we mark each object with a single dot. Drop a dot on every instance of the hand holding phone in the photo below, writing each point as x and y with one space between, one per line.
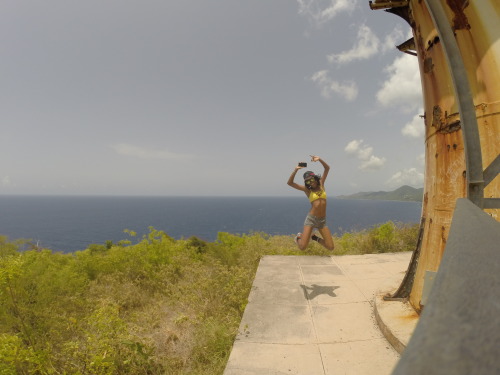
302 164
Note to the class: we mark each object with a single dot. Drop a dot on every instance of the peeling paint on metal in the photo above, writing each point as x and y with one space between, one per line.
460 20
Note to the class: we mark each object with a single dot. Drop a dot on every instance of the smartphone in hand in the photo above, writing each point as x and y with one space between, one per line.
302 164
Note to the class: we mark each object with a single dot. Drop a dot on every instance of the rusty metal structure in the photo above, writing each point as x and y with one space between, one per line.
457 44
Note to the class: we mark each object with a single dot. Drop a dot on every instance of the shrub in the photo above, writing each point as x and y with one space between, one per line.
159 306
17 358
387 237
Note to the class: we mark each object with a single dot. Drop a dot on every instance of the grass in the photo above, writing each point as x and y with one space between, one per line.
152 305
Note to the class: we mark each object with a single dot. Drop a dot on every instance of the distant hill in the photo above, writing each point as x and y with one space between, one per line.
404 193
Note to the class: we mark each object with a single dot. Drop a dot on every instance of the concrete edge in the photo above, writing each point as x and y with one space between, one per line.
396 320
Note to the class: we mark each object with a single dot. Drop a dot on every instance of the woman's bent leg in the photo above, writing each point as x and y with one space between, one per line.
303 241
327 240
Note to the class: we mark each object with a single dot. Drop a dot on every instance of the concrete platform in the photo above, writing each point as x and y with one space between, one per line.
310 315
397 321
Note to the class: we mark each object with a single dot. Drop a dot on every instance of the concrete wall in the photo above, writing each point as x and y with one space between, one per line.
458 331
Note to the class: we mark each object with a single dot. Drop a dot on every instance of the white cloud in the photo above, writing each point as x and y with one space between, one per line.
415 128
353 146
402 89
368 45
146 153
321 11
394 38
409 176
373 163
348 90
364 153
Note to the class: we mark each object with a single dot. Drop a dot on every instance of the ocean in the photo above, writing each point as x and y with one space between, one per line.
71 223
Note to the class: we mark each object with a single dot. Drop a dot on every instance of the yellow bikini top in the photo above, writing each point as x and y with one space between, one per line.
315 195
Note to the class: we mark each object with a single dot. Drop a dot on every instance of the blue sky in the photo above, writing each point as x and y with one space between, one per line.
205 97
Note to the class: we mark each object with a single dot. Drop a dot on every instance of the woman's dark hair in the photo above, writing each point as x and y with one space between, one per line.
309 175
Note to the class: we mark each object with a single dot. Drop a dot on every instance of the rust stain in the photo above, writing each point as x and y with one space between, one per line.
419 41
410 316
451 127
436 116
428 65
443 234
460 20
477 31
445 123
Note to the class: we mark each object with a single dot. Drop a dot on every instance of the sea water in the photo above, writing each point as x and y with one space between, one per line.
70 223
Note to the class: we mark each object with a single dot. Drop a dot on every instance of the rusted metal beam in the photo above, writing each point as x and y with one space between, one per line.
404 290
466 32
472 144
492 171
387 4
408 47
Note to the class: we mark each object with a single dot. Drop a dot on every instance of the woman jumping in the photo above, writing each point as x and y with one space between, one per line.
316 219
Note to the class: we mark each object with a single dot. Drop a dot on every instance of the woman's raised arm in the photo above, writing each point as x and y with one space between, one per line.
291 183
325 166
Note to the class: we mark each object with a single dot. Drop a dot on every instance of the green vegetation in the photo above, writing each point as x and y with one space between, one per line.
404 193
158 306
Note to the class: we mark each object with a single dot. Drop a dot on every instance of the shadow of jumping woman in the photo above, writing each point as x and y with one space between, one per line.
311 292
